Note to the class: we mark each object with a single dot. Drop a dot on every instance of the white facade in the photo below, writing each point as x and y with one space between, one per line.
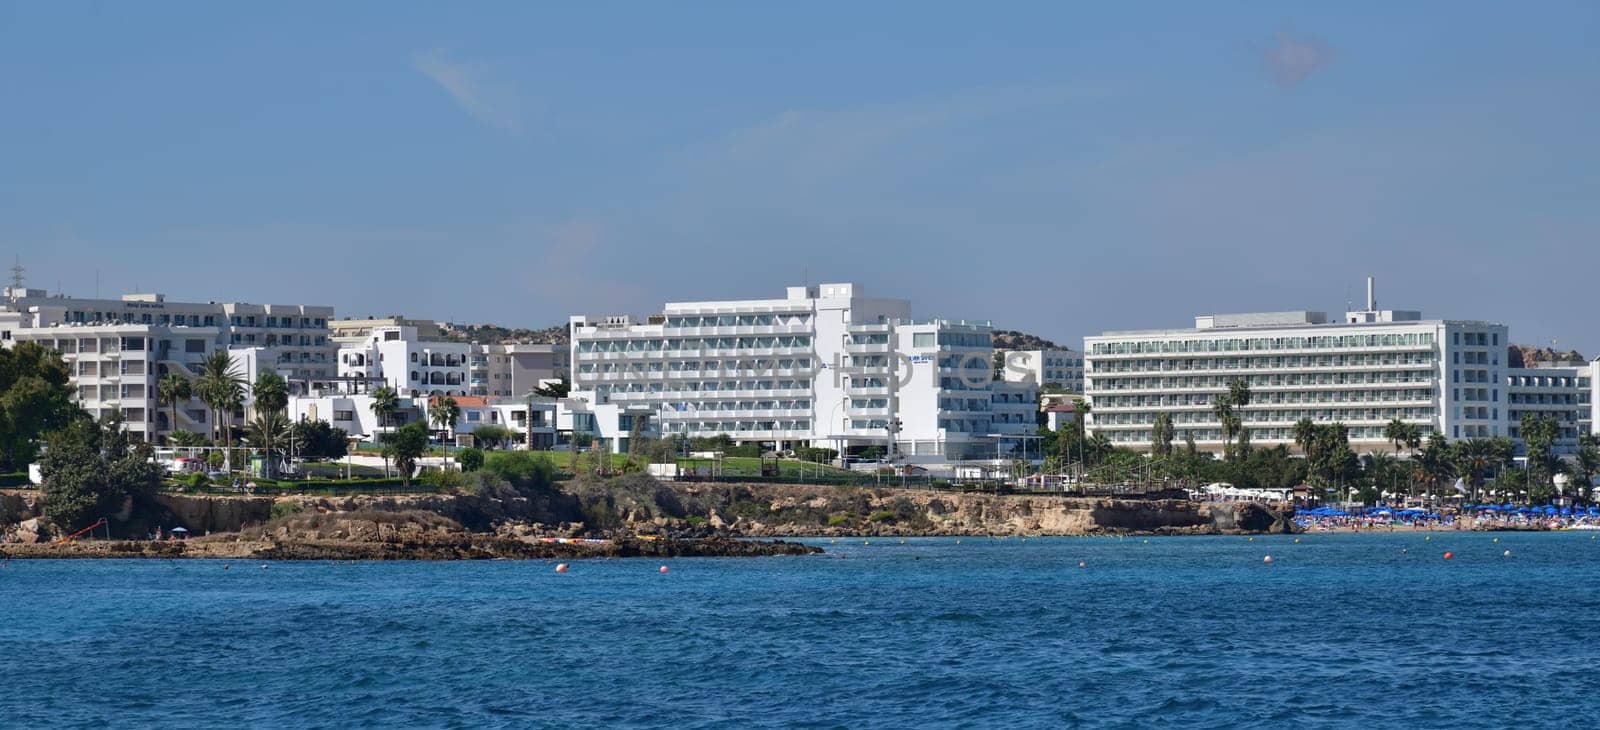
115 368
1062 368
351 412
824 365
1564 392
119 349
1444 376
402 360
296 335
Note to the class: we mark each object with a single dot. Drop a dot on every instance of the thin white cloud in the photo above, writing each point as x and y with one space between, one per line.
1291 60
488 102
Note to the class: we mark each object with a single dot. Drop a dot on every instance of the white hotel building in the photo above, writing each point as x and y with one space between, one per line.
1062 368
1446 376
118 349
825 366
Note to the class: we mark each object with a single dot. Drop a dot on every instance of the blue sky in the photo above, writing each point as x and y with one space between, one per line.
1058 168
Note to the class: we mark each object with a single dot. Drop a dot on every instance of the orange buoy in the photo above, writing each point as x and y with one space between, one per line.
1448 555
663 569
561 567
1267 560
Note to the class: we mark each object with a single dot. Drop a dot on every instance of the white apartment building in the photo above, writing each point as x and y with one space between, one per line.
398 357
514 369
1445 376
825 365
118 349
1562 391
352 412
1063 368
296 335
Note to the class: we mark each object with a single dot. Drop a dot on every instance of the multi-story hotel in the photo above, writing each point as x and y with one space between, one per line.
119 348
825 365
1060 368
1561 391
1445 376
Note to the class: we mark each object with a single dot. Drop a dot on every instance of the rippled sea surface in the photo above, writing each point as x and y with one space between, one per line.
1339 631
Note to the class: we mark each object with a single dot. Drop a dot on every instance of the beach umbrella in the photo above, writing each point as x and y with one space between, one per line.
1566 510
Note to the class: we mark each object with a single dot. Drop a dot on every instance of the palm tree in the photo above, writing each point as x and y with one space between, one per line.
1472 458
1397 433
271 392
268 432
444 414
1305 434
385 403
221 387
1161 433
1585 464
1382 468
171 390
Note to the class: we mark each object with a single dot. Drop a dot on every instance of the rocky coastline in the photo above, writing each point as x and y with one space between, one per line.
625 518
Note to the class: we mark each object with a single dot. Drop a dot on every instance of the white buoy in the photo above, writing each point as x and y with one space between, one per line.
1083 565
1267 560
1507 553
561 567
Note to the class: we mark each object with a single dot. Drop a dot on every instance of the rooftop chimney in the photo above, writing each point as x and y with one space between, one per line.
1372 301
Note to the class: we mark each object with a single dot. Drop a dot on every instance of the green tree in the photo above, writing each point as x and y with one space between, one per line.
173 389
1539 435
1225 406
405 445
1383 470
1305 434
385 404
491 435
1472 459
444 414
35 399
1161 434
271 392
1403 435
89 473
221 388
269 432
320 440
186 438
1585 465
470 459
557 389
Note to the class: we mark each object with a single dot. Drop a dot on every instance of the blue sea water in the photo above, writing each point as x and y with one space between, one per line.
1339 631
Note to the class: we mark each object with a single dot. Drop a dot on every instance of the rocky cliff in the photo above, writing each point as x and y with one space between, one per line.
697 510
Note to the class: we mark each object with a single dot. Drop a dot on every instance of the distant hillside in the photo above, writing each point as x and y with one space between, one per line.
1520 356
1014 340
490 334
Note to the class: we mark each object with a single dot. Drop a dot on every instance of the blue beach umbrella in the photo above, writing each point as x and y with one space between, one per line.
1549 510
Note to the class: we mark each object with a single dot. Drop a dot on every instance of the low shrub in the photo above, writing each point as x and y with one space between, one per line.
838 519
284 509
883 516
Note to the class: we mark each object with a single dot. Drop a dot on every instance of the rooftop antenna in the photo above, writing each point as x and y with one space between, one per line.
16 279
